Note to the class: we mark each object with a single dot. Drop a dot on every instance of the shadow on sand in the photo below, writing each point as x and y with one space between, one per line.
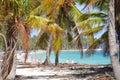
79 73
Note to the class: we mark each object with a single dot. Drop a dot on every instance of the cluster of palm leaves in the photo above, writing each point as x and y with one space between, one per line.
69 17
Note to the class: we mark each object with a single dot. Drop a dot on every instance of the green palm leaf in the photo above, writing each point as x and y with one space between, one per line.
57 43
90 23
97 42
75 13
42 40
91 31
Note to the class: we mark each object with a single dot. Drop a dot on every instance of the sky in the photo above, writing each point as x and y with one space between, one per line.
34 32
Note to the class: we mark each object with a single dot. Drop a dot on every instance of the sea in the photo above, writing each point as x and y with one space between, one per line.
97 58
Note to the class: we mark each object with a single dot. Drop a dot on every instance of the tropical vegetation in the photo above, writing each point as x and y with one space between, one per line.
58 22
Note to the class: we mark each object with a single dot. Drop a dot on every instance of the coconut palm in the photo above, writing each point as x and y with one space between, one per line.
43 41
17 20
113 15
87 25
56 10
112 40
48 35
14 15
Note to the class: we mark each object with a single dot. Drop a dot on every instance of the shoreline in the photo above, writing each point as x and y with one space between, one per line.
32 65
40 50
39 56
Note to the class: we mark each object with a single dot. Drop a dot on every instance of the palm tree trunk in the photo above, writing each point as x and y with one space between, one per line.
8 58
5 46
56 58
1 78
112 41
1 73
117 15
119 49
118 40
48 51
11 76
8 63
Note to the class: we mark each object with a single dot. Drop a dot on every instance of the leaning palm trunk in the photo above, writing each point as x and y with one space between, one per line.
11 75
48 51
0 72
6 64
8 58
112 41
5 44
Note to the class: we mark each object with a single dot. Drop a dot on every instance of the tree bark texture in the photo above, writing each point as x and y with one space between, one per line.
48 51
112 40
8 59
117 21
56 58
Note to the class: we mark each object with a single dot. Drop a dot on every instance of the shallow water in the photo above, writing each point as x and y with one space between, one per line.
74 57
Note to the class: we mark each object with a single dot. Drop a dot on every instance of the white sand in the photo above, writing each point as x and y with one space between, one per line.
45 73
41 72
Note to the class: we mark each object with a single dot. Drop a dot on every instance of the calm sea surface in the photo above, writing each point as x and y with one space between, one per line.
75 57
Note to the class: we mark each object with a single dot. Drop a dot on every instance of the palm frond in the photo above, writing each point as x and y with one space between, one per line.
81 1
93 15
37 10
44 24
47 5
75 13
37 21
54 9
91 38
92 30
89 33
90 22
100 4
57 43
99 41
42 40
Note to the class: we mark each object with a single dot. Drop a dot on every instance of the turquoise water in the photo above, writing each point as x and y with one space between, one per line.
74 56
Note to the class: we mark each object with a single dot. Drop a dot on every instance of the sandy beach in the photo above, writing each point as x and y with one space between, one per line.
64 72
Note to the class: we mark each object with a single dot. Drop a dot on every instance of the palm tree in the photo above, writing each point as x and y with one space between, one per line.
87 25
56 10
48 36
5 44
13 15
44 40
112 40
113 15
